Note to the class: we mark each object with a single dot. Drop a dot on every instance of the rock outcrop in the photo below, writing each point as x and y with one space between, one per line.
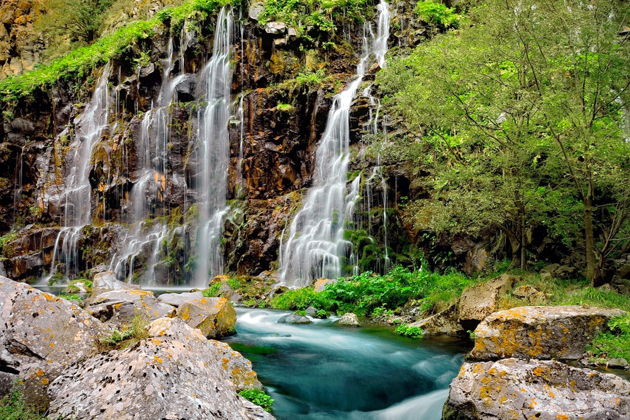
535 389
214 316
540 332
178 299
174 374
480 300
40 336
121 306
442 323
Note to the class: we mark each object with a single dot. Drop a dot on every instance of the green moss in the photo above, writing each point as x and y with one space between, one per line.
258 397
4 240
71 296
285 107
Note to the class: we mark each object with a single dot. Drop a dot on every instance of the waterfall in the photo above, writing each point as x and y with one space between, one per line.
316 243
76 196
214 151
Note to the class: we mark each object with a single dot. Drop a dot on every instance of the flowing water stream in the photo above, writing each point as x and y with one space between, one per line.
321 371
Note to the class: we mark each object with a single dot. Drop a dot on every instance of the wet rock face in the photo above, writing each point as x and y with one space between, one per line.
541 332
40 335
546 390
176 373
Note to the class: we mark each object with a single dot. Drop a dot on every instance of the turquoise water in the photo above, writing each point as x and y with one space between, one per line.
321 371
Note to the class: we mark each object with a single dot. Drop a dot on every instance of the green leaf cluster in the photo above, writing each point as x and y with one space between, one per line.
437 13
258 397
409 331
614 343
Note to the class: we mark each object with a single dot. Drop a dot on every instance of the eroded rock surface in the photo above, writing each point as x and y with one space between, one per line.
535 389
214 316
480 300
40 335
176 373
178 299
121 306
540 332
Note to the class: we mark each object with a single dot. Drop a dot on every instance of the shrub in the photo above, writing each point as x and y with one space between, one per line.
409 331
437 13
13 407
258 397
212 291
296 299
616 342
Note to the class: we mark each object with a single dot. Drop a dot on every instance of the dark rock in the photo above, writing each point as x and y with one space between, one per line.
294 319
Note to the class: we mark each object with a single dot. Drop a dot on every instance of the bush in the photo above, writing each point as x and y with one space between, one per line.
409 331
614 343
258 397
437 14
297 299
13 407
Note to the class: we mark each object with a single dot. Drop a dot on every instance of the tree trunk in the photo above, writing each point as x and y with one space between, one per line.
589 240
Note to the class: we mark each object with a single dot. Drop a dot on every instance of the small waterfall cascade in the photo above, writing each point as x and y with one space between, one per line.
214 150
316 245
76 196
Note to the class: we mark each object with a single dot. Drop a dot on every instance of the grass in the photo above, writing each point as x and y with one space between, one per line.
80 61
13 407
614 343
258 397
128 336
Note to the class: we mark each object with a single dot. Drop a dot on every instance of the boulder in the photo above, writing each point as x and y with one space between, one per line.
121 306
40 335
215 317
540 332
237 366
255 10
480 300
349 320
294 319
276 28
178 299
106 281
176 373
530 294
442 323
535 389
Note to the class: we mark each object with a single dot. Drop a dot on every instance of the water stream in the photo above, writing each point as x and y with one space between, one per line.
321 371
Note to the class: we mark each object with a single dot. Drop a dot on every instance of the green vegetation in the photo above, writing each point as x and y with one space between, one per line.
616 342
521 119
258 397
13 407
128 336
437 14
285 107
212 291
369 294
80 61
313 17
5 239
409 331
71 296
78 20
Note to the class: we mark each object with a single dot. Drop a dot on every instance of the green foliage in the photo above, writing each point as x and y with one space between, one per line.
295 299
437 13
258 397
314 15
614 343
77 20
409 331
285 107
212 291
129 335
71 296
13 407
5 239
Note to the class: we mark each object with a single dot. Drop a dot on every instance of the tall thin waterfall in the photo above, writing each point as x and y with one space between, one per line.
76 197
214 152
316 245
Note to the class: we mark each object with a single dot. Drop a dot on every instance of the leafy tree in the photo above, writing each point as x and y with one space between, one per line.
522 111
76 20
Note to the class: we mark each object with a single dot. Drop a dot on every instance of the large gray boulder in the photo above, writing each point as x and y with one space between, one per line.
534 389
540 332
176 373
480 300
178 299
119 307
41 335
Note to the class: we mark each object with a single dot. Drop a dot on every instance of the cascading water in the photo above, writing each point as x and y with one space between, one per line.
76 197
214 150
316 245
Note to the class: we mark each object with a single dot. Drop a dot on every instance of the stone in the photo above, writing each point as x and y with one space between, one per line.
349 320
255 10
311 311
442 323
119 307
540 332
106 281
535 389
177 299
41 335
530 294
480 300
294 319
276 28
617 363
214 316
320 284
237 366
176 373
